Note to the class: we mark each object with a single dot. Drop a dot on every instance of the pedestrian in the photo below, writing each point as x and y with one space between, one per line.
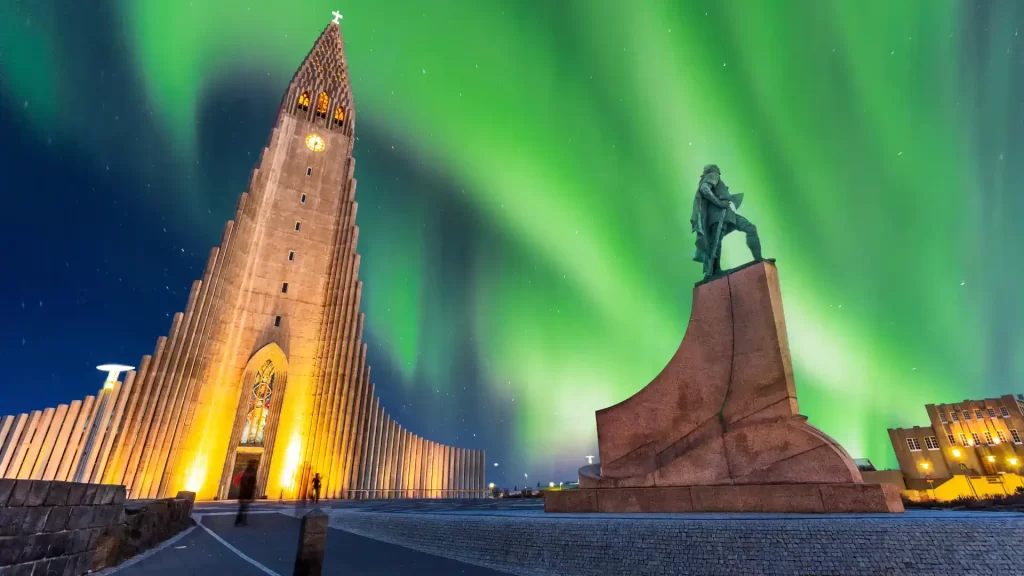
316 488
246 492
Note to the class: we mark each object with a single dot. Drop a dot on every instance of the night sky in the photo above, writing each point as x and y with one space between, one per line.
526 172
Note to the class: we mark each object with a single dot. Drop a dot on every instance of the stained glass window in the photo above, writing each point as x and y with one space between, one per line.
321 104
339 116
259 405
304 101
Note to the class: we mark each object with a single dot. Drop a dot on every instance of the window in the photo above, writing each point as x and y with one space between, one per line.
930 443
259 405
914 445
309 171
963 440
291 255
284 290
967 415
988 438
298 225
302 199
955 415
977 441
339 116
1020 403
977 412
952 440
1004 412
942 418
303 103
991 413
1015 436
322 102
277 320
1002 437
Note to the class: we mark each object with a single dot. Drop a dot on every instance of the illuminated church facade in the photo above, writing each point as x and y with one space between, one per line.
266 364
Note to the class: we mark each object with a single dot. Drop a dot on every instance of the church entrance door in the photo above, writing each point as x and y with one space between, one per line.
242 460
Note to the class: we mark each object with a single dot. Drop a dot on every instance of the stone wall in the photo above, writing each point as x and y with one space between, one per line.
150 522
53 527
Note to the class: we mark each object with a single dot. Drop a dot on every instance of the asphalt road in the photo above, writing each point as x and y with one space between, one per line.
268 545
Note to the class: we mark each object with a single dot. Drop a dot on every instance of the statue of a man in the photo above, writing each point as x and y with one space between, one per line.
714 216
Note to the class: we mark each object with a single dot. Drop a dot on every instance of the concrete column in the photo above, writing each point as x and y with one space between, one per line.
126 434
61 443
123 392
148 404
67 461
446 475
6 425
378 442
11 444
366 447
358 407
391 471
94 435
14 468
28 464
46 450
422 467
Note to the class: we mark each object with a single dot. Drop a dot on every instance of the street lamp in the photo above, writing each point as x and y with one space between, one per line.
113 371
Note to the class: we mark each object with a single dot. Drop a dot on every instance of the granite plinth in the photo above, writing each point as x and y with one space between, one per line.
721 421
778 498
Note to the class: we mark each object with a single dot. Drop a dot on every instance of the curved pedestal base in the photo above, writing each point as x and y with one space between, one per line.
801 498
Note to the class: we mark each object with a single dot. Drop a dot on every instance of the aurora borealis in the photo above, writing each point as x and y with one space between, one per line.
526 172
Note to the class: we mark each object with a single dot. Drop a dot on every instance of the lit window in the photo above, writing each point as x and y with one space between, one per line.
284 290
291 255
1004 412
322 102
977 441
913 444
339 116
991 412
1001 436
967 414
955 415
988 438
309 171
952 440
978 413
277 320
303 103
963 440
259 405
298 225
1015 436
931 443
302 199
942 418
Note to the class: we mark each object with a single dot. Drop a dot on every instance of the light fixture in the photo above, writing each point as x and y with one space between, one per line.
925 465
491 485
551 484
113 371
957 453
991 458
1012 461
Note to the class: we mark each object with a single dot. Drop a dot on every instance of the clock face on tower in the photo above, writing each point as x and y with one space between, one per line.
315 143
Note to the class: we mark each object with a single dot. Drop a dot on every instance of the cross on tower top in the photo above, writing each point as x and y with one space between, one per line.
337 16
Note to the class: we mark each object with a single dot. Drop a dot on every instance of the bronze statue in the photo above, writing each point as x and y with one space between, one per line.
714 217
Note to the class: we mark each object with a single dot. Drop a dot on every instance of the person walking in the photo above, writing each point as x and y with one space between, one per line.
316 488
246 492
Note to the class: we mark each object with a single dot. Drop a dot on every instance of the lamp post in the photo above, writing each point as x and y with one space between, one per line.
963 468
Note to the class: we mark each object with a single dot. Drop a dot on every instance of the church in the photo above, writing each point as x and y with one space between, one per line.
266 364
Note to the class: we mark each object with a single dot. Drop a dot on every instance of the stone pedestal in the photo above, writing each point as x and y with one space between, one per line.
719 428
309 559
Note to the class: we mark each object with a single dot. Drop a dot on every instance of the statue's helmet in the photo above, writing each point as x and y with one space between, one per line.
712 168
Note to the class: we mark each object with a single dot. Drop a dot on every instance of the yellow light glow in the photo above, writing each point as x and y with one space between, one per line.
957 453
491 485
315 143
1012 461
291 463
196 474
925 465
551 484
991 458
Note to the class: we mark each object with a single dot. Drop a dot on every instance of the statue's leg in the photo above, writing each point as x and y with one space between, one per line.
753 240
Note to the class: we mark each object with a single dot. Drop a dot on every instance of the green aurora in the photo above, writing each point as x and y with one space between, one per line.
879 145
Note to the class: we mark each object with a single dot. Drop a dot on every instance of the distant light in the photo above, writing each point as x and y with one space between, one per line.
925 465
491 485
1012 461
495 464
956 453
590 459
551 484
991 458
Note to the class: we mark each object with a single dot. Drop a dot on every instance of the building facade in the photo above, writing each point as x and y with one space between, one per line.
972 448
266 364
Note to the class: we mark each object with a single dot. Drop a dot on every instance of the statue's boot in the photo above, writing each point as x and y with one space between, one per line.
754 243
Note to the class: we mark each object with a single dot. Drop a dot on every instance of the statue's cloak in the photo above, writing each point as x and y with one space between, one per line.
705 214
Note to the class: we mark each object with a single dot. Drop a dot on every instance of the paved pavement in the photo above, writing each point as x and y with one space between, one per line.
268 544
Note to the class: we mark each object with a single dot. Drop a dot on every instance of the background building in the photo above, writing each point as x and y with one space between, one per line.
266 364
972 448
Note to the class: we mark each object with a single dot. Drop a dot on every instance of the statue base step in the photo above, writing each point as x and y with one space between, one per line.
799 498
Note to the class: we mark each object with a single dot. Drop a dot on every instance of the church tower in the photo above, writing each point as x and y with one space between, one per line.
266 366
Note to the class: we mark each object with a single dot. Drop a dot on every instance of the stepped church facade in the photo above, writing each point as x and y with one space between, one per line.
266 364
